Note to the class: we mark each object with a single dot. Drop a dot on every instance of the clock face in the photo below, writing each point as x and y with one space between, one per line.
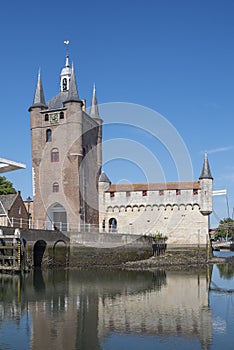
54 118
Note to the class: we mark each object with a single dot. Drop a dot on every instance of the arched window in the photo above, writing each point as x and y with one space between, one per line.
61 115
48 135
55 155
55 187
64 84
46 117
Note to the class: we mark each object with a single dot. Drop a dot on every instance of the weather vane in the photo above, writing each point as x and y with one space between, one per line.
66 42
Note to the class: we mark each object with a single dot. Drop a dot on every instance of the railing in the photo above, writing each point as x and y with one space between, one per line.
47 225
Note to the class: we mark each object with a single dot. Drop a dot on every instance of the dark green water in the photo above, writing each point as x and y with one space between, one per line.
111 309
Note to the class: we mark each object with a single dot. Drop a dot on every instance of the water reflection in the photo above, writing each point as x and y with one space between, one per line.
90 310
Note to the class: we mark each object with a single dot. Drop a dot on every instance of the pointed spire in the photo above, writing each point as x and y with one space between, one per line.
39 98
206 173
73 92
94 112
104 178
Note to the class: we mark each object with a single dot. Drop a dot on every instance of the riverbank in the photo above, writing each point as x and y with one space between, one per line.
177 259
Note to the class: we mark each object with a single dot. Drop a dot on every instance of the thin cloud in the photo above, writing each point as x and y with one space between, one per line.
220 149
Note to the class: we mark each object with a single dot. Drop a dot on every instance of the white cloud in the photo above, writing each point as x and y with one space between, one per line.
220 149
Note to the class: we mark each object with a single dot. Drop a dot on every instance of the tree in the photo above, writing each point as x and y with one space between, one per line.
225 228
6 187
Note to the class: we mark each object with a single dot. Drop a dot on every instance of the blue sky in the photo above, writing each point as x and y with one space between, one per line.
175 57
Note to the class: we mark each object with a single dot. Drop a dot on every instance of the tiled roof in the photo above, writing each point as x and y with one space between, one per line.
7 201
154 186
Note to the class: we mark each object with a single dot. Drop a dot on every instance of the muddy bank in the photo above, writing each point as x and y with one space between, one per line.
178 259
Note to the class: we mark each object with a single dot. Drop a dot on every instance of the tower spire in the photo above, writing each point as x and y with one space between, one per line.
65 75
39 98
206 173
94 112
73 91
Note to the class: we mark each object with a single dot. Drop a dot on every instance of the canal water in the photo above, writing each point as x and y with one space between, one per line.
111 309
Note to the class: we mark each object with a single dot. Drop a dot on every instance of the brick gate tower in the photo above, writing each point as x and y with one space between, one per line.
66 156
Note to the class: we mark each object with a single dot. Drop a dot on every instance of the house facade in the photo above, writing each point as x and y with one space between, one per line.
13 211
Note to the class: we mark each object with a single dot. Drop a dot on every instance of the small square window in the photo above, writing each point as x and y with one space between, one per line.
112 194
195 192
178 192
161 192
144 193
61 115
46 117
128 194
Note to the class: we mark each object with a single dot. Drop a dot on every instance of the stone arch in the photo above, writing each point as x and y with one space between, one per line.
38 253
148 207
116 209
56 217
189 207
122 209
135 207
128 208
182 207
112 225
60 253
196 206
110 209
141 207
168 207
162 207
155 207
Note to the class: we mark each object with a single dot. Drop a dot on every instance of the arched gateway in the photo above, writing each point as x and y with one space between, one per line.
56 217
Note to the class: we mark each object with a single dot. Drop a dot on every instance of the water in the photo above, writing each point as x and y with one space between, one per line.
110 310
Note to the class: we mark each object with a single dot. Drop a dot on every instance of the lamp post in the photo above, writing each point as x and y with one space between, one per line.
28 200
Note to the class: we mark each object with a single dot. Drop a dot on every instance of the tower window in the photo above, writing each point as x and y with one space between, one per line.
128 194
112 194
64 84
55 155
144 193
195 192
161 192
178 192
61 115
55 187
48 135
46 117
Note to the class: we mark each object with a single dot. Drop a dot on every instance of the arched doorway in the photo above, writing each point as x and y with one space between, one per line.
56 218
38 253
112 225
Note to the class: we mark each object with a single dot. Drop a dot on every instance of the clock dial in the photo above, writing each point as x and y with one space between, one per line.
54 118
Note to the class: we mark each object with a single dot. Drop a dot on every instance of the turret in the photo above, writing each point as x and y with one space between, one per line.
206 184
94 113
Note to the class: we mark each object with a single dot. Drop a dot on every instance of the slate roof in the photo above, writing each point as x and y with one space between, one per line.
7 201
206 173
104 178
57 101
154 186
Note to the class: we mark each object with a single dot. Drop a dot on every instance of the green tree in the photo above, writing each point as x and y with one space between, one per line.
225 228
6 187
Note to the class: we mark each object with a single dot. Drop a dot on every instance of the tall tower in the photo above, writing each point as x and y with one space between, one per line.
66 156
206 183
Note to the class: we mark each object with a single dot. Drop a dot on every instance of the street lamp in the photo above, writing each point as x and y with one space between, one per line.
28 200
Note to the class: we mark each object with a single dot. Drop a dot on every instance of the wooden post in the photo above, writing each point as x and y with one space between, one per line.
18 246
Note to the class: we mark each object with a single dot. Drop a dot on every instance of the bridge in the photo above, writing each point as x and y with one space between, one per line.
40 245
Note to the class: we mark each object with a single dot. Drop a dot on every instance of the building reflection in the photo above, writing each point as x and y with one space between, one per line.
80 309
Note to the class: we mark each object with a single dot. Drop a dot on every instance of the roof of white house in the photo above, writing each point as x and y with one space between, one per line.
9 165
